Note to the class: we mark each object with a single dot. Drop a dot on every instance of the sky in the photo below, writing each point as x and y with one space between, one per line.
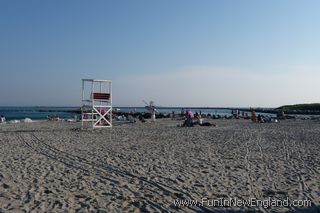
201 53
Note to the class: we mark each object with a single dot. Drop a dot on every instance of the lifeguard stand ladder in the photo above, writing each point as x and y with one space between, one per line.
96 103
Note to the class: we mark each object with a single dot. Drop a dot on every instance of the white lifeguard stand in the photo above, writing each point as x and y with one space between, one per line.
96 103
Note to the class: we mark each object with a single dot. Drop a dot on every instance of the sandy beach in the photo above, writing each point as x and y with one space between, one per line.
148 167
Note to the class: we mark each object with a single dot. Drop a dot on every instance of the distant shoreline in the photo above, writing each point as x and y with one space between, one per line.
302 109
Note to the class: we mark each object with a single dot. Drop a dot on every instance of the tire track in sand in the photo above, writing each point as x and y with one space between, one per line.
253 190
302 184
110 173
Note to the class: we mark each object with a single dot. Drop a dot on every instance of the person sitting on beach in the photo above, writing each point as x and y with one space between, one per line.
131 119
201 123
141 118
188 122
190 118
253 116
207 124
197 119
260 119
281 115
196 116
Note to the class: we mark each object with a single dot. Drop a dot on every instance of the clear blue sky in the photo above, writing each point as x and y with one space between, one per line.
195 53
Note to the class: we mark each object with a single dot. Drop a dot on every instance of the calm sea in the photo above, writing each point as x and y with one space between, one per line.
37 113
41 113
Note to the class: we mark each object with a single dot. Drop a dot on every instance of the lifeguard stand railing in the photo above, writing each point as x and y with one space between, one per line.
96 103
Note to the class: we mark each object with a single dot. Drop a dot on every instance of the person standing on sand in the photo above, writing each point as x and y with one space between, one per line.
173 115
2 119
153 114
253 116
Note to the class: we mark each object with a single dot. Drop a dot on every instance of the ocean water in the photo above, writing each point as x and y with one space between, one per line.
37 113
42 113
177 110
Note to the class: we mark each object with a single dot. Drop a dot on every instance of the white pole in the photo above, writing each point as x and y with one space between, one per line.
110 90
92 102
82 103
100 92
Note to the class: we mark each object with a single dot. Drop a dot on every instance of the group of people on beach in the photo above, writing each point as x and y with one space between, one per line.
264 119
191 120
257 119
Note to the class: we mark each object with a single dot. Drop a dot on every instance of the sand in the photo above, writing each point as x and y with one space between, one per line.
147 167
